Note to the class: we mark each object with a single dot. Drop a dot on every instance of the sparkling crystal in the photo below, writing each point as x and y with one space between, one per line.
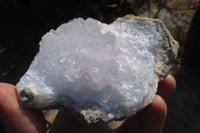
97 71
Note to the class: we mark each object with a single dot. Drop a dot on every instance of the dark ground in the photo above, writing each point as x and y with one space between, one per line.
184 106
23 22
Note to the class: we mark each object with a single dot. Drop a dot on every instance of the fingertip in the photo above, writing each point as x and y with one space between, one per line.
158 107
9 88
171 81
6 85
8 98
155 115
166 87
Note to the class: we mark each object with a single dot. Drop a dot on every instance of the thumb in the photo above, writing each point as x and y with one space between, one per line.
15 118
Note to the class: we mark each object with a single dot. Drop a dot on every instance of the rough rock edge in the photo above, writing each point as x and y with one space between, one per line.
173 43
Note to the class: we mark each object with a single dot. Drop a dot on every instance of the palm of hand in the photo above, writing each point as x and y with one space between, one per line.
15 119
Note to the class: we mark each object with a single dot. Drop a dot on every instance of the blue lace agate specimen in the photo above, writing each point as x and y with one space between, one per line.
99 72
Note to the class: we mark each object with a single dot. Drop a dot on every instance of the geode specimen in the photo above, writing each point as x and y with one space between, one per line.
99 72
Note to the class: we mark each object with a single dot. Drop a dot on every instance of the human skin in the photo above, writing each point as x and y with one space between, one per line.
19 120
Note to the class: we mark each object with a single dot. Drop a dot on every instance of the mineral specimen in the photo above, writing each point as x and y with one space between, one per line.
99 72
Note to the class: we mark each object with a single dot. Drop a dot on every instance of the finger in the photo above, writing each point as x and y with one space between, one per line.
155 115
166 87
64 122
149 120
15 118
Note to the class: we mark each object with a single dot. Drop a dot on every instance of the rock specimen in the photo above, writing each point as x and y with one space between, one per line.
96 71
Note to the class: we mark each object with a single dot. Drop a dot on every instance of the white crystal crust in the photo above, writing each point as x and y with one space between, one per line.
88 62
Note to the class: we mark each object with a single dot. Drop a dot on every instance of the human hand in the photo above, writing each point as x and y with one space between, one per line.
16 119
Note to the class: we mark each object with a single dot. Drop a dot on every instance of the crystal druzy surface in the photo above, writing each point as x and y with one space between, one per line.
98 72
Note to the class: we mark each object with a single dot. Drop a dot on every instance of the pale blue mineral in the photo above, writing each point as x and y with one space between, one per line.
96 71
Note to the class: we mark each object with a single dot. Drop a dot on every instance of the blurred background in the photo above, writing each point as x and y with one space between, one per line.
24 22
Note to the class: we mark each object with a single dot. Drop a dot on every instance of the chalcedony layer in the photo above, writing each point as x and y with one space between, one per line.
99 72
